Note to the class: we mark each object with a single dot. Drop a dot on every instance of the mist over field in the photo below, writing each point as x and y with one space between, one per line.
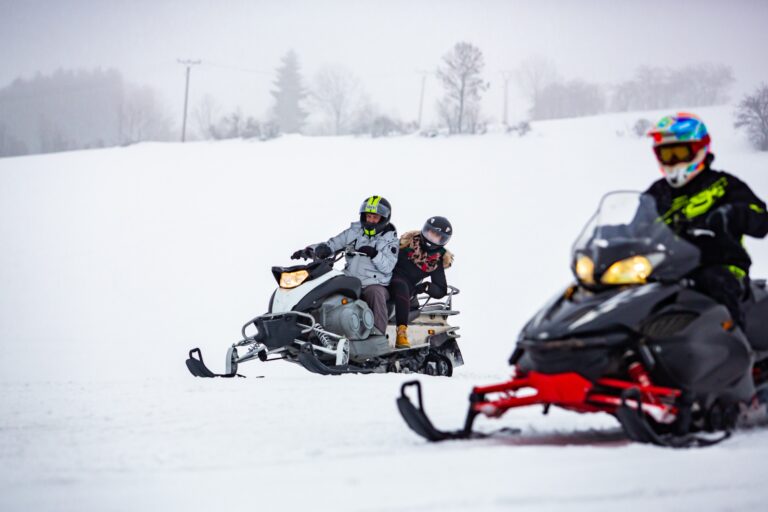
134 229
80 74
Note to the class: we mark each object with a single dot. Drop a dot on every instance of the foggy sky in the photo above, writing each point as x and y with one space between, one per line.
384 43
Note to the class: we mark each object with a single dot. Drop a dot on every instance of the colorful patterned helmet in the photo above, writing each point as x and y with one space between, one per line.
681 144
379 206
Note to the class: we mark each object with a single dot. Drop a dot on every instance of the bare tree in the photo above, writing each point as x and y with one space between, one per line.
463 84
205 116
535 74
144 117
336 93
752 114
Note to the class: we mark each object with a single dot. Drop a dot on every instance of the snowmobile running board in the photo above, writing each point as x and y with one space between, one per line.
631 407
197 367
309 361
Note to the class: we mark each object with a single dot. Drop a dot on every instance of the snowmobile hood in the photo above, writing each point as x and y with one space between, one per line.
571 314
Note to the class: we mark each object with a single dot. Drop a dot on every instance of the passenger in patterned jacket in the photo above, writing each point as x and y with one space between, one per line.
694 196
422 255
374 240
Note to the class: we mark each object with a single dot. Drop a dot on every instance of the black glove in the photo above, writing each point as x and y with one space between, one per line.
718 220
322 251
305 253
369 251
422 288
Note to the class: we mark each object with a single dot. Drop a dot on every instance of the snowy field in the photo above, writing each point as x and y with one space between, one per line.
116 262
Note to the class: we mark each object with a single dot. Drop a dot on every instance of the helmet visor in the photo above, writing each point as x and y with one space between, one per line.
374 205
435 236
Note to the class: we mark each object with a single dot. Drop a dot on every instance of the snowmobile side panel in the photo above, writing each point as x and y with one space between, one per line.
706 356
338 284
757 320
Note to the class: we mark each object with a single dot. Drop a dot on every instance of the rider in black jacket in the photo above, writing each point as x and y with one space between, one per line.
421 255
692 196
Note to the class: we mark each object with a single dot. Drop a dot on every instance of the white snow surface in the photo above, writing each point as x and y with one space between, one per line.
116 262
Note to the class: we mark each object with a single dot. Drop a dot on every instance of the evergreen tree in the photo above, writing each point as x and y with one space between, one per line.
289 94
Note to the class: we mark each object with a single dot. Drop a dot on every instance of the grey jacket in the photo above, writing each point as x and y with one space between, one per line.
377 270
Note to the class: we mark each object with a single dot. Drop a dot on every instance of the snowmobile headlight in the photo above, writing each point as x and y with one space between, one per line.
293 279
634 270
585 269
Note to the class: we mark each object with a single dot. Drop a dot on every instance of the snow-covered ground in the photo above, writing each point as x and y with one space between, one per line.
115 262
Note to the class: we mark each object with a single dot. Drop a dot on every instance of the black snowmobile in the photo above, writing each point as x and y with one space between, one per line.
632 338
318 320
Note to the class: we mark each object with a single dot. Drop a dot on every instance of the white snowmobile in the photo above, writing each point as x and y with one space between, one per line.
317 319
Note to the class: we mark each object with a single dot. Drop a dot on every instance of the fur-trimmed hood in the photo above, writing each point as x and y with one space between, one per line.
407 238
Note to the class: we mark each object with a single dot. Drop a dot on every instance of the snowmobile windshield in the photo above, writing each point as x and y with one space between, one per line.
627 242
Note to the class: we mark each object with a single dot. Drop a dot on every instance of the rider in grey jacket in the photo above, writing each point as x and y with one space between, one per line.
375 240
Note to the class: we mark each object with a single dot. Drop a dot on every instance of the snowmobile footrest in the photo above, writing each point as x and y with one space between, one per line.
197 367
309 361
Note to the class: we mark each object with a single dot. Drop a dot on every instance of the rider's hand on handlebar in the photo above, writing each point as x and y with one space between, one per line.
305 253
369 251
322 251
718 219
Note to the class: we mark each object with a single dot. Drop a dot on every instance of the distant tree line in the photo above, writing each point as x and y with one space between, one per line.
86 109
651 88
75 110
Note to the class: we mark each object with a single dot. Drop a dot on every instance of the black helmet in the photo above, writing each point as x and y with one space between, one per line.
379 206
436 232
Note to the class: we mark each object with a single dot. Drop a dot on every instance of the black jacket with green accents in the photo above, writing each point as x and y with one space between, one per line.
719 202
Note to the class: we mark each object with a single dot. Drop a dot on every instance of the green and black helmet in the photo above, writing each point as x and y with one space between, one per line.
379 206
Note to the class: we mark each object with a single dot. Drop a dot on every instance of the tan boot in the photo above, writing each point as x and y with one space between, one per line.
402 337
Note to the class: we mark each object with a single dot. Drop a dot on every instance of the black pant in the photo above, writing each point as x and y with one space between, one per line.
722 285
401 291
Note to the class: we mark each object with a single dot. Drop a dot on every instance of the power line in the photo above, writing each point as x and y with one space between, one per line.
237 68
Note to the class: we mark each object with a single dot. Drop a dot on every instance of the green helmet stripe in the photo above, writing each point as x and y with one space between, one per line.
373 203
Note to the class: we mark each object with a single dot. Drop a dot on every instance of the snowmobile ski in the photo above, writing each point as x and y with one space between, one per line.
636 427
419 422
197 367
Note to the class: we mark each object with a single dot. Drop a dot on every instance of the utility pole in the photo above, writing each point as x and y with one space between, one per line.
506 75
421 96
188 64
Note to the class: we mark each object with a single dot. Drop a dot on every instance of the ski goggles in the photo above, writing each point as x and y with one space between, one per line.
682 152
436 237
